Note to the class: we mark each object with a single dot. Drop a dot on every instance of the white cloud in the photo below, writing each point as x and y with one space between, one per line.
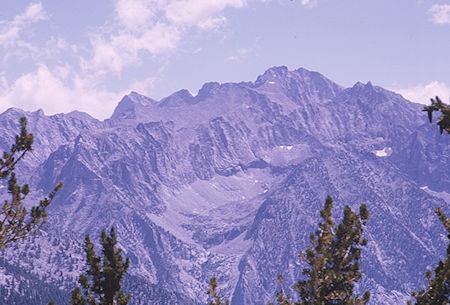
205 14
440 13
152 27
423 93
3 81
144 86
56 92
56 44
107 55
133 13
34 12
309 3
115 52
10 30
240 53
9 35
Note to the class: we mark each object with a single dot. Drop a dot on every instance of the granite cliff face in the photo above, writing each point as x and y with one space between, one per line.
229 183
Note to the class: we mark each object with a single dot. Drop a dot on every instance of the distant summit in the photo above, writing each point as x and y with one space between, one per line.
132 106
177 99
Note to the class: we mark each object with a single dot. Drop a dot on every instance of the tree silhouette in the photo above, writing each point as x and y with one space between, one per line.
438 290
15 221
216 300
101 283
333 260
444 119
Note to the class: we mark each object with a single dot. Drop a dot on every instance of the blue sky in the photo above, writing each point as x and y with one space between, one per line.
85 55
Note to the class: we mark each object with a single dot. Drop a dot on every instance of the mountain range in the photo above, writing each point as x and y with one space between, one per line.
229 183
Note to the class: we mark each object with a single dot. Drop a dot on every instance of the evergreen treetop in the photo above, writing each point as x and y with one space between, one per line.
444 119
438 290
333 260
15 221
101 283
216 300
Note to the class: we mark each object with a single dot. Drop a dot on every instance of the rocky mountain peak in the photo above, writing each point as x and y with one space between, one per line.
361 87
208 89
38 113
131 105
82 116
13 112
300 86
177 99
273 74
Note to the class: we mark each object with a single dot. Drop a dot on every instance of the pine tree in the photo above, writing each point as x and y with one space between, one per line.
15 221
444 119
438 290
101 283
216 300
333 260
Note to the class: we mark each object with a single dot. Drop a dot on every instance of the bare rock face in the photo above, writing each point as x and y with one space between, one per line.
229 183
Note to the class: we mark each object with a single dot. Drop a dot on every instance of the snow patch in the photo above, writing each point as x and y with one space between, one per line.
284 155
385 152
286 147
270 82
